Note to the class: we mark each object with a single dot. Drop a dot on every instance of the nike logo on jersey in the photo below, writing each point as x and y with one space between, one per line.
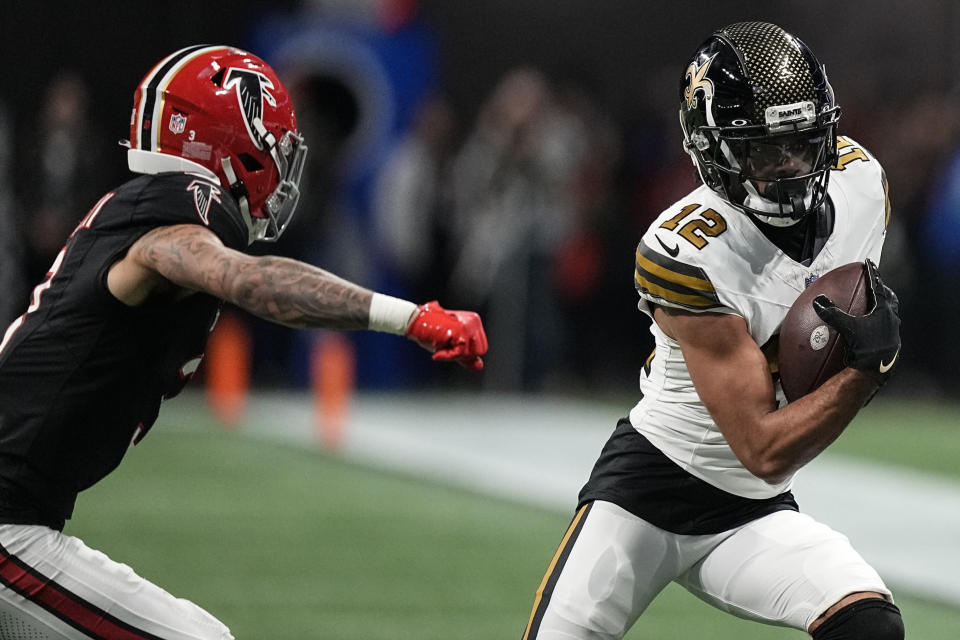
886 366
672 251
203 194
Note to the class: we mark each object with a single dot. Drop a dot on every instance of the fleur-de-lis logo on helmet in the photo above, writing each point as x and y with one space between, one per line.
698 81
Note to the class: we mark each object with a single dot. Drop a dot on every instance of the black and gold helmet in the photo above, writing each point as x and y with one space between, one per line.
759 120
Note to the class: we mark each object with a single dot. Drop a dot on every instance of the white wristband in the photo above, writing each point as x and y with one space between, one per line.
390 315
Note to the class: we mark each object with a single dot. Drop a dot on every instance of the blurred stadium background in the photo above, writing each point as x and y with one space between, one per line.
502 156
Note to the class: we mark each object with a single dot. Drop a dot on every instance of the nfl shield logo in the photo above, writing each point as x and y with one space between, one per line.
177 123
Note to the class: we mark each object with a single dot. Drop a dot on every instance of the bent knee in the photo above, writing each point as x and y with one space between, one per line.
867 619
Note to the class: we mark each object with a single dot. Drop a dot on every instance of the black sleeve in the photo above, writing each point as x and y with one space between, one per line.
146 203
178 198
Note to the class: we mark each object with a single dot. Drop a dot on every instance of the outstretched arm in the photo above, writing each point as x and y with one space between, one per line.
287 291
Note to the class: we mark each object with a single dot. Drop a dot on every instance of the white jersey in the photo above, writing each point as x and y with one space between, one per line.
702 254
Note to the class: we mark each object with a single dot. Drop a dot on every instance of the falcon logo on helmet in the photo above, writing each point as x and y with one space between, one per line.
252 89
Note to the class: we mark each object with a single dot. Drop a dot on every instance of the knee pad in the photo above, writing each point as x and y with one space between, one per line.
869 619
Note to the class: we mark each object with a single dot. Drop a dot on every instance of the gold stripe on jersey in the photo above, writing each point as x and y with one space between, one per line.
886 198
649 362
673 281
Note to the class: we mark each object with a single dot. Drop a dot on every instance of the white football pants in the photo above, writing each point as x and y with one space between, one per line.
783 569
54 587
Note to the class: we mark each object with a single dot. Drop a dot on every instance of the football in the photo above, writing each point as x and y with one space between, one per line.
811 351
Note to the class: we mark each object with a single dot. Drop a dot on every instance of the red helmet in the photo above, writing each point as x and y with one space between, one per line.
224 111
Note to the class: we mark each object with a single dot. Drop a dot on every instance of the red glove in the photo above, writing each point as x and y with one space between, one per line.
449 335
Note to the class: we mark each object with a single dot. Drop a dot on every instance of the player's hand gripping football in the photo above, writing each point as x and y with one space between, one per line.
872 340
449 335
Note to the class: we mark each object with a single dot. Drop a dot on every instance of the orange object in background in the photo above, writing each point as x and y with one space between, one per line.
227 368
333 376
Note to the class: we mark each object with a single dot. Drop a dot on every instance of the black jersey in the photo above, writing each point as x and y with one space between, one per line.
81 374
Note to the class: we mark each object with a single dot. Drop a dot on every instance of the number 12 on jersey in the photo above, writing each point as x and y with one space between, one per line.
707 224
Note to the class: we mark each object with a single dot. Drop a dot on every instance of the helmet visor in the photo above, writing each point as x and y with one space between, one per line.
783 167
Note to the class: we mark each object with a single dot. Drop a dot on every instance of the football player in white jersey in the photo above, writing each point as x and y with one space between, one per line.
694 486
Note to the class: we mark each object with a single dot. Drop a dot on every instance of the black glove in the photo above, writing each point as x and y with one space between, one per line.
872 340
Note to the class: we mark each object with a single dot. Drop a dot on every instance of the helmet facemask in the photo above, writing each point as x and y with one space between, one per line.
289 157
282 203
772 171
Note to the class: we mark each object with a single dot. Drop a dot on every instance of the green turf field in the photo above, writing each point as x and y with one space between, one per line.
282 542
921 435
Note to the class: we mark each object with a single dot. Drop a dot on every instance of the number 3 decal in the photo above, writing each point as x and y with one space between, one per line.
708 224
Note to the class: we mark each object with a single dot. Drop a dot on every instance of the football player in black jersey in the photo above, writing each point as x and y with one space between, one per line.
121 321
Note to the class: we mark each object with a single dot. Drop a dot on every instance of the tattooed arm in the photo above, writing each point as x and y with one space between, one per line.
186 258
285 291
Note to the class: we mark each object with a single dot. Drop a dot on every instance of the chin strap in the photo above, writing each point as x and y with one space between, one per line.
239 191
797 202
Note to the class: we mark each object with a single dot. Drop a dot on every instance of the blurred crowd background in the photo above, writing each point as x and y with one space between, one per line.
497 155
